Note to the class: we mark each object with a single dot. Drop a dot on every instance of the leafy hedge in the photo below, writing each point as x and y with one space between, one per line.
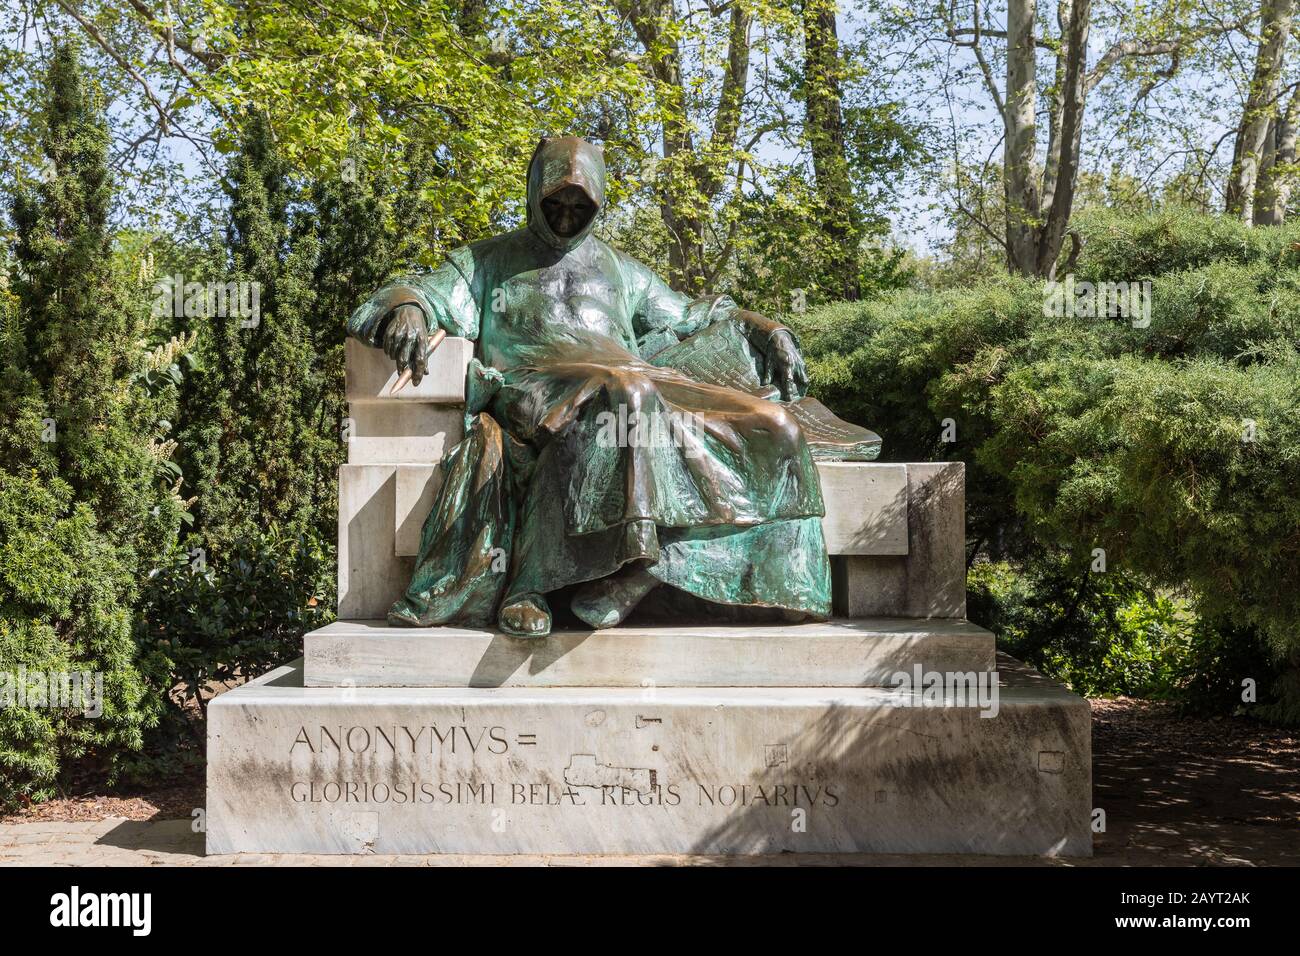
1175 447
221 624
64 609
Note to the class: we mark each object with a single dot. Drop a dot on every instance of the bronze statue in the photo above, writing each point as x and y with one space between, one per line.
620 436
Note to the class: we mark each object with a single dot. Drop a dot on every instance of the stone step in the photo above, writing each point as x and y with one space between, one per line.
294 769
840 653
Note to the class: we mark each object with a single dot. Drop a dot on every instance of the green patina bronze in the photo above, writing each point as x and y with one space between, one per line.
620 435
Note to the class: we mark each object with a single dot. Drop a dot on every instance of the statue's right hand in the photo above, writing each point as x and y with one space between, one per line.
405 340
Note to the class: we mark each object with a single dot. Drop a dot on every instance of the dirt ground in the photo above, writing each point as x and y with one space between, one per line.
1184 791
1175 791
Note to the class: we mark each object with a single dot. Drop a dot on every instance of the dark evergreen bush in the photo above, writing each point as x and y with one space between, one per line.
1173 446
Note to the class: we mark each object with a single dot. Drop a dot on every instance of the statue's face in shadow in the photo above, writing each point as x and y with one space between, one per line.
568 211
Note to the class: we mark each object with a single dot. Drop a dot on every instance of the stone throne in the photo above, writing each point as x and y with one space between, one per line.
682 738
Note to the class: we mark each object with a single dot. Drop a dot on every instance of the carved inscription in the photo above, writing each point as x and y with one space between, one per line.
399 765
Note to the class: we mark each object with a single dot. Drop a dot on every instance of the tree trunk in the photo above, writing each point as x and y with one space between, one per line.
1260 108
650 19
697 178
825 128
1018 158
1038 209
1056 108
1276 173
1059 186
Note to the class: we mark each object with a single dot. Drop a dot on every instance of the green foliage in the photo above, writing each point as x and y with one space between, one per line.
451 93
1111 634
255 441
1118 244
82 325
784 260
1148 459
263 440
64 608
259 431
1175 446
1219 658
1100 633
87 488
216 625
361 243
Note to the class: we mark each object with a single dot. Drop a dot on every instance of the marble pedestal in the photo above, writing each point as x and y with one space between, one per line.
714 740
618 770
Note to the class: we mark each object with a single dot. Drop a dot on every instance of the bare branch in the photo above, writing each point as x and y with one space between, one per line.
1123 49
980 58
997 34
206 57
167 121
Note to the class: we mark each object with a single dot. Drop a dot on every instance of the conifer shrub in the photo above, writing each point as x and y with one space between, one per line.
1170 441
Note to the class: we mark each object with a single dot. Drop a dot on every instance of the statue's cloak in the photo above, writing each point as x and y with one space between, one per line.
595 433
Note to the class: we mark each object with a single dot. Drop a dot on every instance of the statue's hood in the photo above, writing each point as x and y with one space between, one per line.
559 162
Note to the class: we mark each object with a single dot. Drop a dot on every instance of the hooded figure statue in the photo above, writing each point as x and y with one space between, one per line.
620 435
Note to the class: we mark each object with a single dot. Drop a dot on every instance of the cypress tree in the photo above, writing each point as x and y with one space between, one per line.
81 323
254 443
81 506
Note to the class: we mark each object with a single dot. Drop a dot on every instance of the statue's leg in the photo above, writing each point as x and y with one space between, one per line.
464 554
526 616
608 602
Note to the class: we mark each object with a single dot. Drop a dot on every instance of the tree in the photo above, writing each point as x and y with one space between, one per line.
87 490
356 221
777 151
693 173
83 322
1258 127
466 82
1277 167
255 445
1042 143
824 123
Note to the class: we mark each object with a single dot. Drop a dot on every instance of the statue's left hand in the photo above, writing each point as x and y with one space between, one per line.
785 366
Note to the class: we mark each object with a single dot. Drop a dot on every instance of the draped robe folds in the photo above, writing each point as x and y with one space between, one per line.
581 453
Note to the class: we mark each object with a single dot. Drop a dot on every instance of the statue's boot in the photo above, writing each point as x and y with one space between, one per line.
607 602
526 616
